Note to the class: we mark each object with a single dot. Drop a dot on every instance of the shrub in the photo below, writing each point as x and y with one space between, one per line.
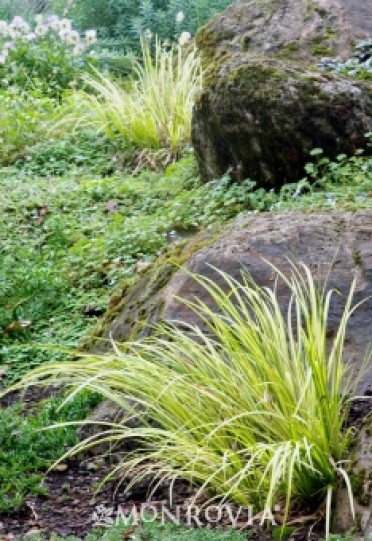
51 54
344 182
127 20
253 410
343 170
153 111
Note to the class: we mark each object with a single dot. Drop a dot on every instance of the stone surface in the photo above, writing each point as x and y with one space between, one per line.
110 413
299 30
132 313
361 14
265 104
337 246
262 118
360 472
334 244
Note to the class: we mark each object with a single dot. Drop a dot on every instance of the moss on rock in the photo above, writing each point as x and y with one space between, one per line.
133 311
265 105
260 117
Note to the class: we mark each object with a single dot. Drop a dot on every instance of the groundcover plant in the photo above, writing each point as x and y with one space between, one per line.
251 410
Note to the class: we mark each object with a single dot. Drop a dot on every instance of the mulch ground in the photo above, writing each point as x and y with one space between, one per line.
73 499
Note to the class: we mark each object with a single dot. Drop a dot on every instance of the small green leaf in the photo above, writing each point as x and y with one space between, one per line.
316 152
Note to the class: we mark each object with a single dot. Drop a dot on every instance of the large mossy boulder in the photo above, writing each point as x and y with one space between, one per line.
337 246
265 103
262 117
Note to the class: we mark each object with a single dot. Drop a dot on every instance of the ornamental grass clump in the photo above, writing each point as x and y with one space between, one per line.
251 410
153 110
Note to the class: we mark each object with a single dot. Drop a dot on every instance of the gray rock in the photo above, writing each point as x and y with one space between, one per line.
337 246
109 412
298 30
360 473
265 104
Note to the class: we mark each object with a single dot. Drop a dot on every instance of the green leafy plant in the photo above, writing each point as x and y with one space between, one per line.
26 452
344 182
343 170
24 116
253 410
154 531
76 151
51 55
358 66
68 241
154 110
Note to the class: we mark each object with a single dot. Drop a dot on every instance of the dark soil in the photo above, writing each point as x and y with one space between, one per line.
71 502
68 509
72 496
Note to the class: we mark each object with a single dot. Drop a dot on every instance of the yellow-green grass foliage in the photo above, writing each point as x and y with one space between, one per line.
153 110
253 410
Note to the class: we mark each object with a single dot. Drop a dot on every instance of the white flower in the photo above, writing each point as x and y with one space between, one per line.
13 31
54 23
180 17
18 22
31 36
3 57
41 29
64 34
184 38
52 19
65 24
39 18
73 37
26 28
90 36
3 28
8 45
55 26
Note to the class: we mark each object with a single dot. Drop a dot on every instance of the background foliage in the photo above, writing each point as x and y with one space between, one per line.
120 23
126 20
